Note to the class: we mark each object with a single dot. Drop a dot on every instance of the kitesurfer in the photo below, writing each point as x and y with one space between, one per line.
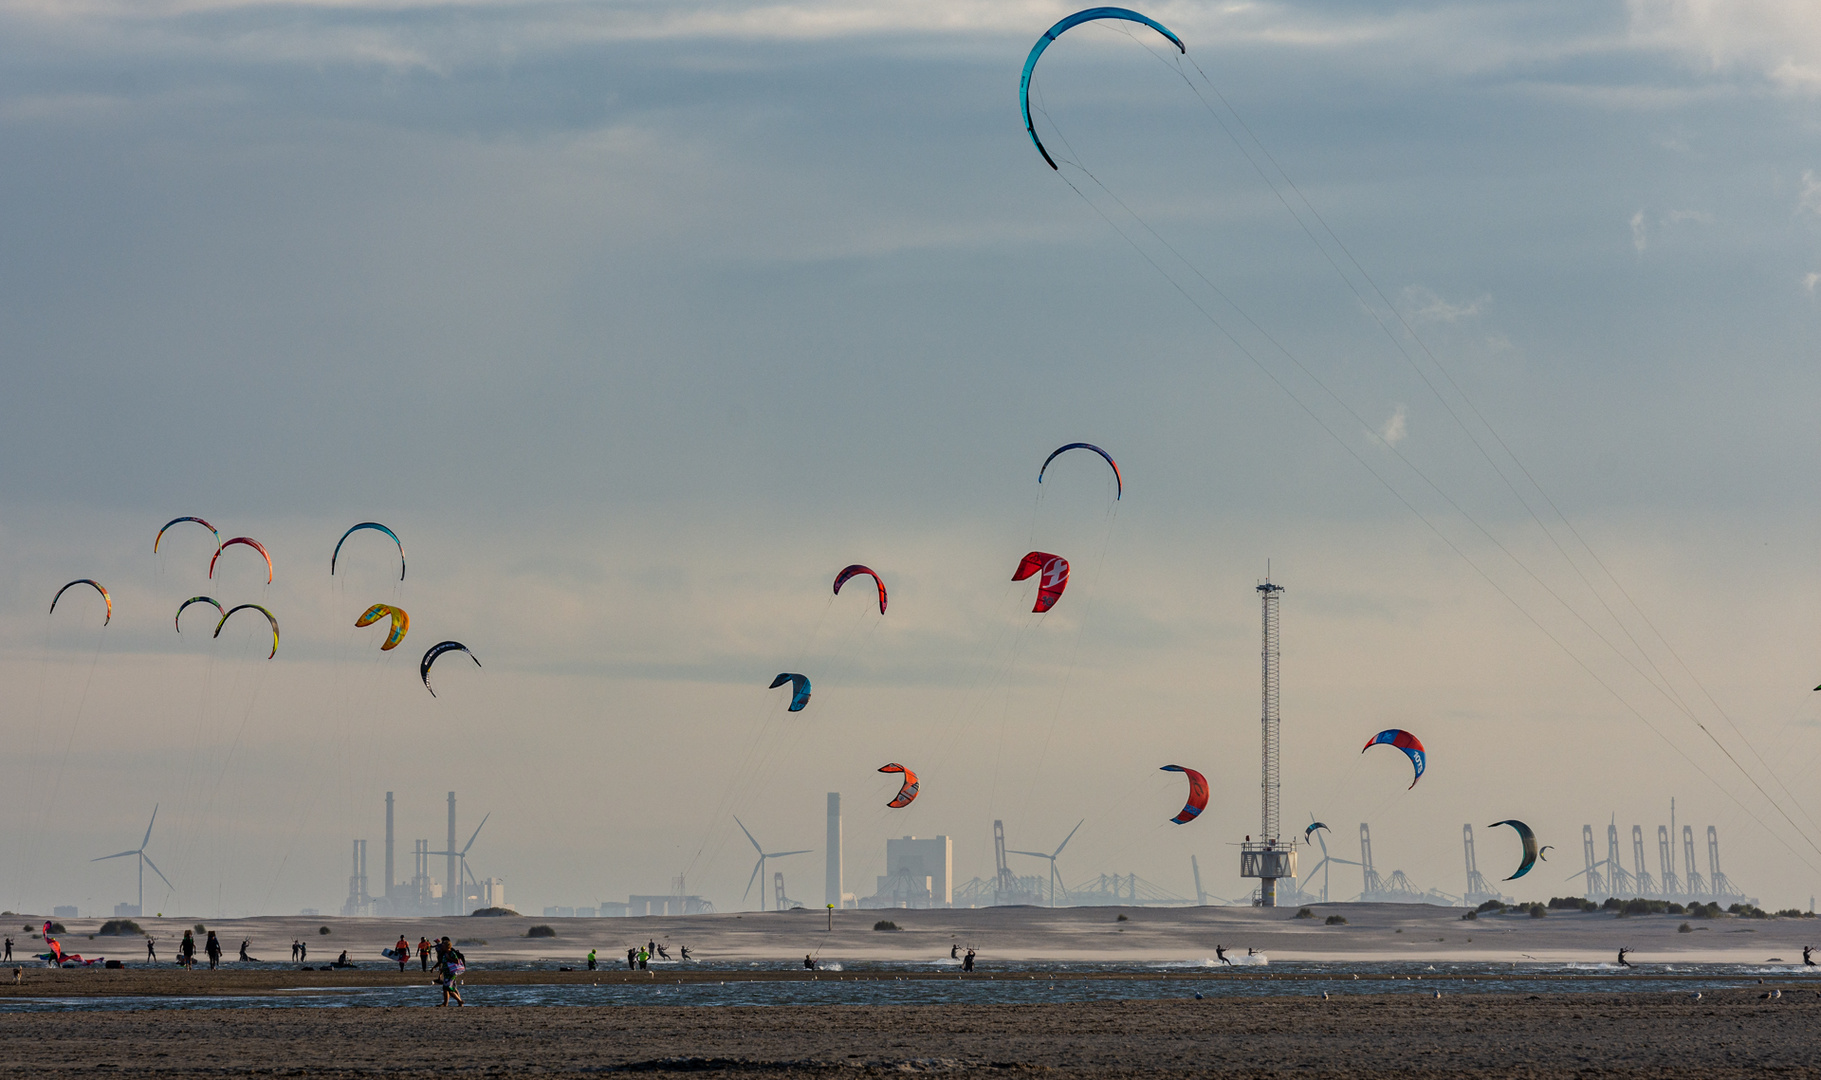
1622 961
632 959
186 950
151 949
809 961
967 962
954 950
662 953
213 948
1220 952
303 951
1808 953
684 952
246 943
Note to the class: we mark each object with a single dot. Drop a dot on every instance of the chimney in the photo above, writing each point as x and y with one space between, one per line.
832 883
388 892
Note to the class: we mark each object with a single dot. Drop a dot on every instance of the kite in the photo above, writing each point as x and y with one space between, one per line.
1198 793
98 588
437 650
401 622
1118 481
197 520
1309 832
250 542
1089 15
178 618
370 525
1530 851
905 793
799 696
1543 852
273 619
1055 577
854 571
1404 741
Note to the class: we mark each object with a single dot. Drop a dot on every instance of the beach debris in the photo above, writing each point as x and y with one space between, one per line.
1402 740
799 694
856 570
1198 793
377 527
1052 577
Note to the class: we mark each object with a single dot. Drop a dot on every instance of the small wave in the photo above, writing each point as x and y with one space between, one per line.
829 966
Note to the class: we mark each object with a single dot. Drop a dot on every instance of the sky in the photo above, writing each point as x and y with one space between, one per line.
1486 329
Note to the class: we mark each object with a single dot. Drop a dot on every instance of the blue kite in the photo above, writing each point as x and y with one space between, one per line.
1089 15
799 696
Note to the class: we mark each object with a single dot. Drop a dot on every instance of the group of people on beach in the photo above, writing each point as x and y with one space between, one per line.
638 959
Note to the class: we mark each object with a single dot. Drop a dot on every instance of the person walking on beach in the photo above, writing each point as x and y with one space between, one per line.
423 953
293 950
151 950
967 962
9 948
213 948
186 950
451 965
1220 953
644 959
1622 961
403 949
303 951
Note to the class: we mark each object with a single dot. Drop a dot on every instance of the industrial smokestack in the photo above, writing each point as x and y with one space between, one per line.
388 893
452 889
833 885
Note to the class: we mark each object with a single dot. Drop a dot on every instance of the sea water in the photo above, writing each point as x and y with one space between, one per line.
937 983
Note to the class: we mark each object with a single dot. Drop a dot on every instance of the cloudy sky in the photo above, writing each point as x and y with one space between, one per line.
1489 325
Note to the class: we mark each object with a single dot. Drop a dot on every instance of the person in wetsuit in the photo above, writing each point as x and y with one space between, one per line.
1622 961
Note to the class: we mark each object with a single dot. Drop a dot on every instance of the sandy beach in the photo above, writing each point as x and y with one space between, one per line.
1723 1035
1371 932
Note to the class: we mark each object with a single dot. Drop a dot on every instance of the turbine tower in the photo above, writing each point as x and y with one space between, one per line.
1051 856
143 862
1267 859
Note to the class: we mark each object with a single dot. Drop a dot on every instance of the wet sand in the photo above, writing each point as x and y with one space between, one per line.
1728 1034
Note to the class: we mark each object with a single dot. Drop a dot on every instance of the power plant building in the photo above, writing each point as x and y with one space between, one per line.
919 873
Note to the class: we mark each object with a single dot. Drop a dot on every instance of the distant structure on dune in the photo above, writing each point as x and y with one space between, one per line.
919 873
422 895
1605 878
1270 857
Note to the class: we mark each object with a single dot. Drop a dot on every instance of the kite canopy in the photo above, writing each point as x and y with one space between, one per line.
1089 15
273 619
375 526
1055 577
197 520
1198 793
250 542
854 571
1403 740
1118 481
1543 852
210 600
98 588
437 650
401 623
799 695
1310 831
1530 851
907 791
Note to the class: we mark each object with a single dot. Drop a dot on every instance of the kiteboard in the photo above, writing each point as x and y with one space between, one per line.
394 955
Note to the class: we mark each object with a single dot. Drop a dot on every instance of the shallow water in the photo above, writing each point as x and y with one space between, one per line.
1013 983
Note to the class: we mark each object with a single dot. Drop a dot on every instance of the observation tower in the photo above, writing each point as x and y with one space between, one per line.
1269 857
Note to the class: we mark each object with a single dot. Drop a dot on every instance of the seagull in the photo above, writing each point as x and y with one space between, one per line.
1438 995
1198 995
1324 995
1696 996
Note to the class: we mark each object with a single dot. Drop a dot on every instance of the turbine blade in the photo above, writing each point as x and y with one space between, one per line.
1038 854
748 832
148 828
155 870
1070 836
781 854
116 855
756 867
477 832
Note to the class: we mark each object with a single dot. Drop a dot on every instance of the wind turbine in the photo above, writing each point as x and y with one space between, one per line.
1052 857
1326 859
463 876
143 861
758 868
